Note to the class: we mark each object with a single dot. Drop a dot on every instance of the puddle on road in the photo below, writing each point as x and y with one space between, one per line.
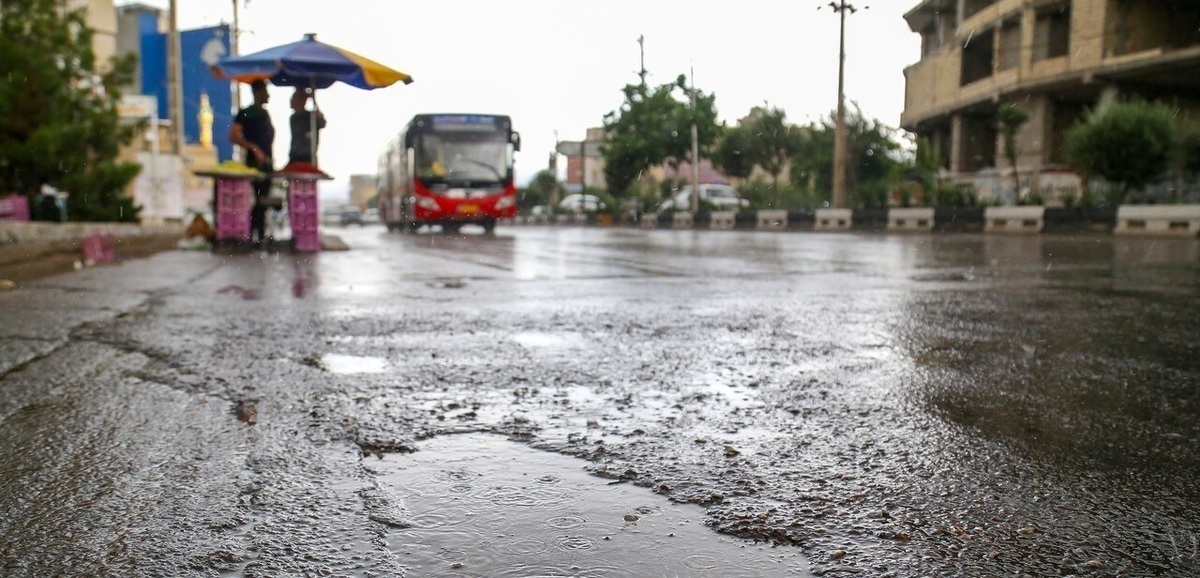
480 505
349 364
549 341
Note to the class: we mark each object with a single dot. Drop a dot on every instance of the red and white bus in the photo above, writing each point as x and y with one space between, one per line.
449 170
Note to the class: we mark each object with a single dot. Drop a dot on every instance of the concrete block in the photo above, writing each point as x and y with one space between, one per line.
833 219
1014 219
722 220
682 220
1159 220
912 219
773 220
648 221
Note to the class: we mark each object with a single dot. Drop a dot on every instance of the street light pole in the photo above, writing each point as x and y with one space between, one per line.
695 208
839 134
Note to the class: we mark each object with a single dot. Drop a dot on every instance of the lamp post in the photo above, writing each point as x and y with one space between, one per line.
839 134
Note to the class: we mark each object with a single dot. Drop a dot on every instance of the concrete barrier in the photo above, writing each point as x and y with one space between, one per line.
648 221
1161 220
872 219
722 220
834 219
1014 219
774 220
682 220
958 219
801 219
915 219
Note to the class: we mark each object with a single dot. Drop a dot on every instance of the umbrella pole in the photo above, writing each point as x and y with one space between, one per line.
312 123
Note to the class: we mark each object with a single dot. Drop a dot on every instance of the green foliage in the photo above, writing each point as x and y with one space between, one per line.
733 154
1009 120
58 117
872 154
1127 143
1189 152
539 190
948 194
653 127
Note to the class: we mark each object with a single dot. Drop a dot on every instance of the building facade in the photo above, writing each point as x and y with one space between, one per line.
362 190
1055 59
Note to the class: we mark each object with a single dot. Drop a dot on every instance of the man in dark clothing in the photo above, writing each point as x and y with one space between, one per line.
303 149
252 130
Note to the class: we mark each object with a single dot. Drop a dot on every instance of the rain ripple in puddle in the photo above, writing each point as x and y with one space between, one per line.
480 505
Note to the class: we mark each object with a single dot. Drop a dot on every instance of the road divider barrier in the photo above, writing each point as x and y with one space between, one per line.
721 220
834 219
1163 220
1014 219
919 219
776 220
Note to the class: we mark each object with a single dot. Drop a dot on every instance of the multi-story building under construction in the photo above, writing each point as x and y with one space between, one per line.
1053 58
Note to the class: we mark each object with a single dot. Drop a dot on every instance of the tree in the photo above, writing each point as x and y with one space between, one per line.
1127 143
871 156
653 127
733 155
774 142
58 118
539 189
1009 120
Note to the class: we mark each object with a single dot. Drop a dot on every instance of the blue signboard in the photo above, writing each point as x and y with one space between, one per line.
199 49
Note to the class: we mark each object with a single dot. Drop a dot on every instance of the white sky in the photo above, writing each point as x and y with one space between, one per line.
560 66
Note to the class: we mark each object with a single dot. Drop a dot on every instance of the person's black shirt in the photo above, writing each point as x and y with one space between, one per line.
302 147
256 128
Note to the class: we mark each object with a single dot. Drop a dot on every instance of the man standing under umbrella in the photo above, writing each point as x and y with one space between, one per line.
252 130
304 141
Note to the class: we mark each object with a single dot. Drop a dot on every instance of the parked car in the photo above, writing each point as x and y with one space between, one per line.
371 216
722 197
580 203
351 215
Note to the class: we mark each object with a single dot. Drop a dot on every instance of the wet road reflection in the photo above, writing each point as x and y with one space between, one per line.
889 405
482 506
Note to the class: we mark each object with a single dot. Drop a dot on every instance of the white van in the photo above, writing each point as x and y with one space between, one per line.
723 197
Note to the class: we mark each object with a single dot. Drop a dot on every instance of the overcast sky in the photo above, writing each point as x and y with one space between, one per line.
560 66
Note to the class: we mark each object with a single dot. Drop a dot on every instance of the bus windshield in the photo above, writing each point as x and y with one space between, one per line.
462 157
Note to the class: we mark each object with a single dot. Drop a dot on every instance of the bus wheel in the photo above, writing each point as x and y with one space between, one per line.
412 226
489 226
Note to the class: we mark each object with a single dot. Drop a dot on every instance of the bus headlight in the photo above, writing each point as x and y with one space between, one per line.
427 203
505 202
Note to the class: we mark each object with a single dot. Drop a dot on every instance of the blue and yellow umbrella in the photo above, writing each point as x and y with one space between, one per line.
309 63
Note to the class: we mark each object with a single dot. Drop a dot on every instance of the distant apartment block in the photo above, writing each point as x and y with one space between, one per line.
1054 59
362 190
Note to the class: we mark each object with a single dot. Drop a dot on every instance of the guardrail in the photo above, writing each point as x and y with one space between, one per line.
1164 220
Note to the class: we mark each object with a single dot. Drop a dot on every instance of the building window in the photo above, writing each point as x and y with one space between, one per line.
978 57
1052 32
978 144
1010 45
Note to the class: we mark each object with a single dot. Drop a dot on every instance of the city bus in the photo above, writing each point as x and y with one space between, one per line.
449 170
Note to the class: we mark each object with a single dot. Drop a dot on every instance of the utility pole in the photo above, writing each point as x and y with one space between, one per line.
554 171
642 49
233 49
839 134
695 150
175 79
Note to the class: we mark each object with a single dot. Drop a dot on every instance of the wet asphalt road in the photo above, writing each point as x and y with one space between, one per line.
827 404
